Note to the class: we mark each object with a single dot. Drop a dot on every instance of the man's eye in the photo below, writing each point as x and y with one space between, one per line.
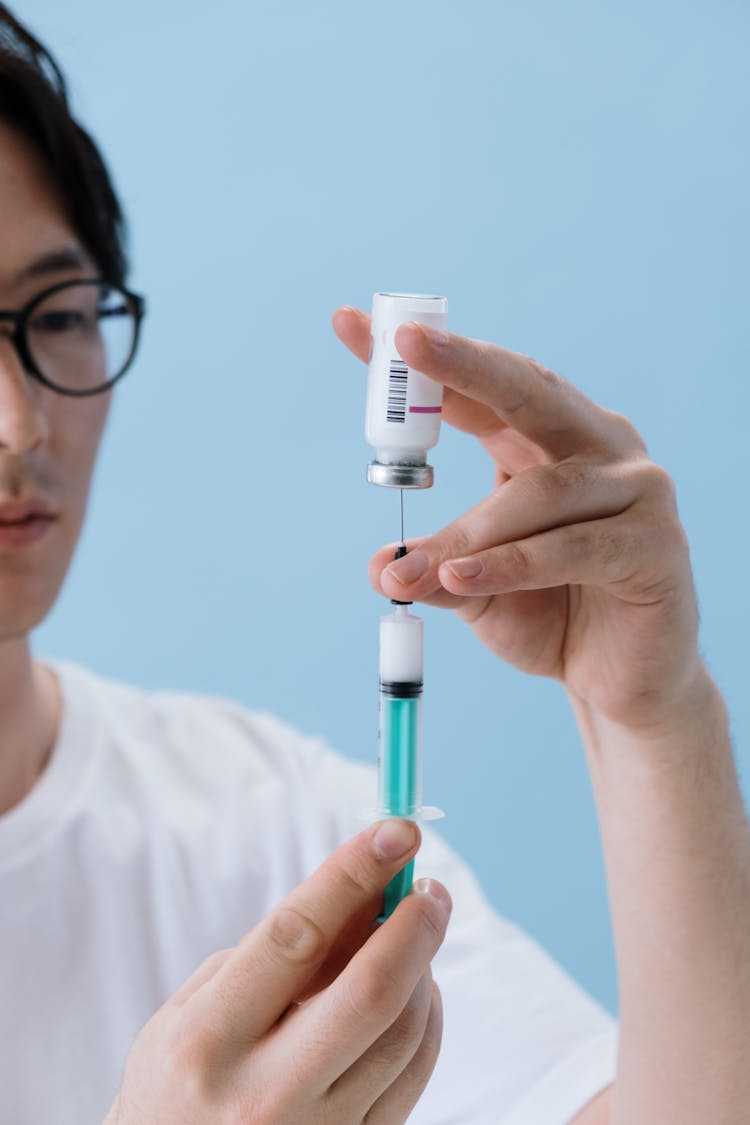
63 321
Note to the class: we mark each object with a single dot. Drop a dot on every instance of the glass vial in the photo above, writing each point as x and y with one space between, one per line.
403 405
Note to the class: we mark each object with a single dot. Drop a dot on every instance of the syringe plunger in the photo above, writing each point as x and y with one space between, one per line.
401 663
401 647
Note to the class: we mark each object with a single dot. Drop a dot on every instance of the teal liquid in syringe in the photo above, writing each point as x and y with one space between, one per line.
400 733
399 767
400 720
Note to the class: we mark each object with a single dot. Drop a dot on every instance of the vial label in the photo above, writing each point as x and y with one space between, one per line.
404 406
398 380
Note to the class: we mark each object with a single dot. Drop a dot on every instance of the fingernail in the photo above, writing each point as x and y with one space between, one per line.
465 568
409 568
394 838
435 891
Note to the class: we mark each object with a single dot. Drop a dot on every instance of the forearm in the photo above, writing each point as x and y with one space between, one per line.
677 854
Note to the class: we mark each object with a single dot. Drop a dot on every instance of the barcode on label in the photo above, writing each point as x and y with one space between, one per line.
397 377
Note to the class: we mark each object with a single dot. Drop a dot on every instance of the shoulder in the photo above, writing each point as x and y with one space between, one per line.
211 751
185 727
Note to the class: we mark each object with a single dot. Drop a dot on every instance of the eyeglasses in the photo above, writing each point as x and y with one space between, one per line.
78 337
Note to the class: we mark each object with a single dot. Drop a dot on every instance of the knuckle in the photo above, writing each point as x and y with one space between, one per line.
294 938
185 1061
552 482
658 483
610 546
432 921
357 880
470 356
516 561
406 1032
628 433
460 543
540 482
545 374
571 476
373 995
484 354
546 383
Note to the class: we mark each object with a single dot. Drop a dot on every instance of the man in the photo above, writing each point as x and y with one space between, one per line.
147 838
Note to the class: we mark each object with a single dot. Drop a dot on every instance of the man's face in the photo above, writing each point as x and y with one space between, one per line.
48 441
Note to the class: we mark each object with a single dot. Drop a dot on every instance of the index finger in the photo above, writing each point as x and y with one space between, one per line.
535 401
352 326
272 964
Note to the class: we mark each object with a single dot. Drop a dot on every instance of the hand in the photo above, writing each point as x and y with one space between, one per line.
317 1016
576 565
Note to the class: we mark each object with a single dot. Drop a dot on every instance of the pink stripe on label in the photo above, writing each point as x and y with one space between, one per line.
425 409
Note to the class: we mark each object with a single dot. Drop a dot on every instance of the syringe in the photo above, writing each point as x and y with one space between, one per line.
402 423
400 731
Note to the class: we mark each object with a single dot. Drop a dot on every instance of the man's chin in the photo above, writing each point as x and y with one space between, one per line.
25 601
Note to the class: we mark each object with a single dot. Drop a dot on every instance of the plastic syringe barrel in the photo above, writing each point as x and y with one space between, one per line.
400 734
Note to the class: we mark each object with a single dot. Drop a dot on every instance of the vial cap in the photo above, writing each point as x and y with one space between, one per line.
400 476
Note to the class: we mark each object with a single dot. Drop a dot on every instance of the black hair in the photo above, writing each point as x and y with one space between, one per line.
34 101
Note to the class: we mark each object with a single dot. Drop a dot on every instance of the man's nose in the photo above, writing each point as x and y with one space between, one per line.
23 423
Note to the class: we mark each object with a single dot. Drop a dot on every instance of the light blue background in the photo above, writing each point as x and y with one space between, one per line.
575 177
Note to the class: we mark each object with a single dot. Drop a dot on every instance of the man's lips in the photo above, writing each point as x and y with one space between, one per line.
22 533
21 511
24 522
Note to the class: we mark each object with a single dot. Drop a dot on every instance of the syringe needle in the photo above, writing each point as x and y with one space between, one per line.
401 549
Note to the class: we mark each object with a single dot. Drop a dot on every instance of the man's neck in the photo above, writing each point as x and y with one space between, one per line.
30 709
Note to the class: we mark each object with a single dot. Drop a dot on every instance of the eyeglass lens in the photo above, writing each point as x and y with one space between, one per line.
82 337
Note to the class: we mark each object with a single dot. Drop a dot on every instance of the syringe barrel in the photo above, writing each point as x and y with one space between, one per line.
400 764
403 405
400 731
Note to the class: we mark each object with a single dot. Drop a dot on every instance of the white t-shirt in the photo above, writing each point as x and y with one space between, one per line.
164 827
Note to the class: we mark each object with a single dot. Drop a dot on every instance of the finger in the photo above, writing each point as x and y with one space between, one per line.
440 597
395 1105
540 404
624 551
537 500
271 965
352 326
362 1084
374 988
507 447
203 973
351 938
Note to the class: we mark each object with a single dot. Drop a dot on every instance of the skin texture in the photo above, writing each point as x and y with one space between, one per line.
575 566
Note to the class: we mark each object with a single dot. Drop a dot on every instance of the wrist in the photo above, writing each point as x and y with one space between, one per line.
696 714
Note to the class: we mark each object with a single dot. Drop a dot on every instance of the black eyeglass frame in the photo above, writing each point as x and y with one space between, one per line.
20 342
